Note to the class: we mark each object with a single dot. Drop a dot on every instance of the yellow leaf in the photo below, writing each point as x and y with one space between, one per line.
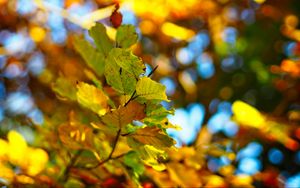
247 115
92 98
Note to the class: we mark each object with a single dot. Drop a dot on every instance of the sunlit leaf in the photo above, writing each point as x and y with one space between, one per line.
92 98
127 61
91 56
124 115
151 90
103 43
126 36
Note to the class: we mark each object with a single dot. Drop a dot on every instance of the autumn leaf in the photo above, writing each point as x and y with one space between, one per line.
92 98
126 36
91 56
152 136
151 90
76 136
124 115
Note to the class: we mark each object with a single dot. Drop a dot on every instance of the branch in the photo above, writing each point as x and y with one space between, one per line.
131 98
152 71
111 153
65 175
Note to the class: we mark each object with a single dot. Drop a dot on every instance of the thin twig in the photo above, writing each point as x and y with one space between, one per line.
152 71
70 165
132 97
111 153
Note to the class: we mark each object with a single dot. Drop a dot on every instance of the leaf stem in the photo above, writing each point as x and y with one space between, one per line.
132 97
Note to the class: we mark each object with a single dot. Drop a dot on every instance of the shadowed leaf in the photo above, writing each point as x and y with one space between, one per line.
126 36
91 56
125 115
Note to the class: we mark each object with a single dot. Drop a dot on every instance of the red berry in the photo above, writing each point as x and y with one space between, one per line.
116 19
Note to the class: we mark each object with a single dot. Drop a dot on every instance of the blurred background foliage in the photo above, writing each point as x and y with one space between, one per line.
211 55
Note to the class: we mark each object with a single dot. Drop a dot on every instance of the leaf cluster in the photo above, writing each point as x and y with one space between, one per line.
129 124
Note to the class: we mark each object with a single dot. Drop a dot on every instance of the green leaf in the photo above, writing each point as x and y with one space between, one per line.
120 80
103 43
91 56
152 136
92 98
64 88
157 111
125 115
127 61
126 36
132 159
151 90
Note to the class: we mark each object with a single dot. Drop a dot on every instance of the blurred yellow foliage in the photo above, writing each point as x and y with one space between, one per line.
242 180
247 115
16 151
37 34
162 9
176 31
215 181
259 1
